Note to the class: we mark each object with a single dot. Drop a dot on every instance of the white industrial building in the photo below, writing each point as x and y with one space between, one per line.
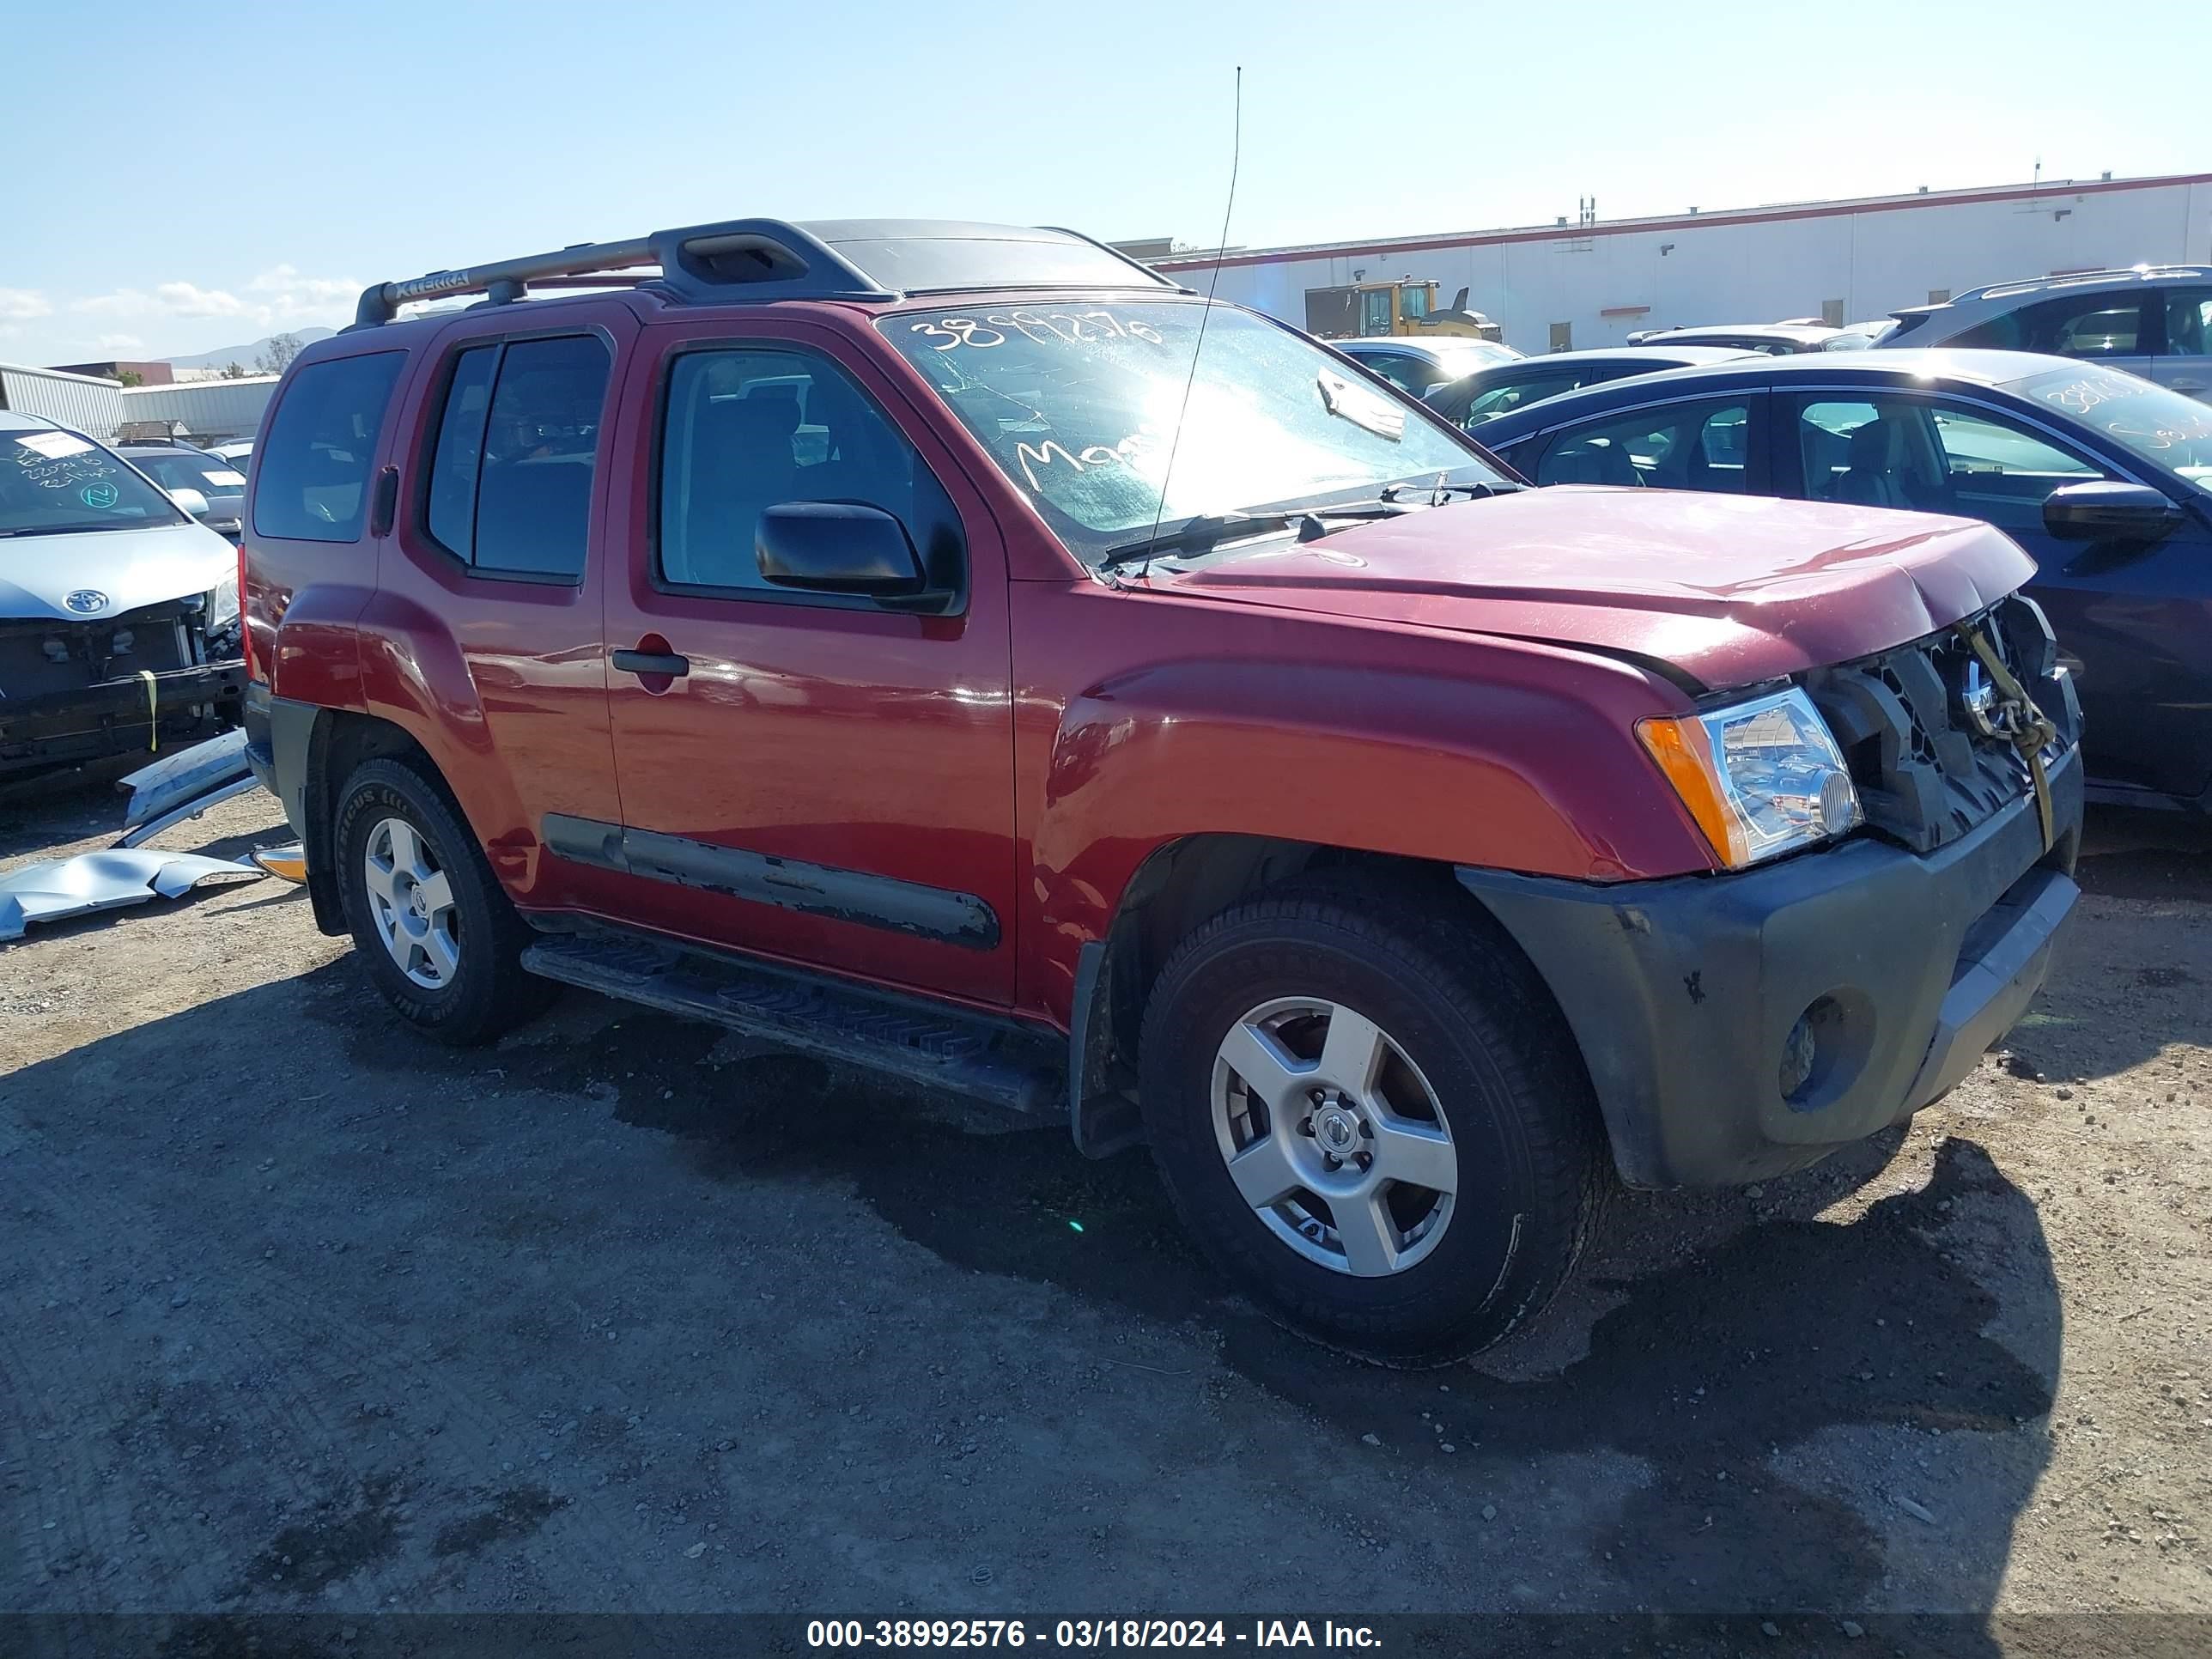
201 412
80 402
1565 285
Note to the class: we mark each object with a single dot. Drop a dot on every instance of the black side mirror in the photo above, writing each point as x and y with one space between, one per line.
837 547
2105 511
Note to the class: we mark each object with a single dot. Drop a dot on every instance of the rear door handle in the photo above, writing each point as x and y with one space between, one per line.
653 662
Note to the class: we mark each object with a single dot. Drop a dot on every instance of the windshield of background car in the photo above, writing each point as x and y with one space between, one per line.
179 469
53 483
1077 404
2161 426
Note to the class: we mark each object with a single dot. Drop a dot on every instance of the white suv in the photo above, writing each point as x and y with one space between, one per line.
2152 320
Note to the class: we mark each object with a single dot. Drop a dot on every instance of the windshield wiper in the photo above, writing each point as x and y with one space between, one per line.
1201 531
59 529
1207 528
1437 491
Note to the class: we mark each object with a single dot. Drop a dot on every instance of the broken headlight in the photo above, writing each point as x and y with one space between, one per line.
220 621
222 605
1759 778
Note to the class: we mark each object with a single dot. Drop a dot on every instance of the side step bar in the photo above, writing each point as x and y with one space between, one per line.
939 1048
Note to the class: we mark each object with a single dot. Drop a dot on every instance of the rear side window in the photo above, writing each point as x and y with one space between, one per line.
311 469
2083 326
517 447
1701 445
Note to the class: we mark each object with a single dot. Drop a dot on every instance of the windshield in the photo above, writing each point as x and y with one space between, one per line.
52 482
1078 405
2163 427
185 469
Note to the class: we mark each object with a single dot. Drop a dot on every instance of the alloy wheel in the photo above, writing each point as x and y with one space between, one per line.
1332 1136
411 901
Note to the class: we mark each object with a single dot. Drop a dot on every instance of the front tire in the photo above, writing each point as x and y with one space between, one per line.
432 928
1370 1113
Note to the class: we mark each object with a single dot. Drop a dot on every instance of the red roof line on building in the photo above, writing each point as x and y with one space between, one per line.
1681 222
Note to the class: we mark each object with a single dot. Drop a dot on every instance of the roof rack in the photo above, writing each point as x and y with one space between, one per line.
769 257
2028 285
765 259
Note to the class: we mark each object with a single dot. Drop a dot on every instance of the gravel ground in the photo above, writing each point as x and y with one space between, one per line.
300 1313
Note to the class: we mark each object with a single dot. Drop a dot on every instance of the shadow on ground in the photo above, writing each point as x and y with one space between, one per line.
1709 1366
2130 853
2132 979
1740 1375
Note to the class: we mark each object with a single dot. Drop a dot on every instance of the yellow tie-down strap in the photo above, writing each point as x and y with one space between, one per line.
2026 727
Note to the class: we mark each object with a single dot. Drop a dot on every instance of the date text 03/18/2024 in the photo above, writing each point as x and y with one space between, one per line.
1087 1633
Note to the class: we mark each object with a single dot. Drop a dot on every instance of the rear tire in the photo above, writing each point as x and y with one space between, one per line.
433 931
1387 1024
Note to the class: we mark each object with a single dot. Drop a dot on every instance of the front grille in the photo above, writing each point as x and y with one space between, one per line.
1925 774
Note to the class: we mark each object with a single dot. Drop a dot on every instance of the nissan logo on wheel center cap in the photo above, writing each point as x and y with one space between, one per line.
1337 1130
85 600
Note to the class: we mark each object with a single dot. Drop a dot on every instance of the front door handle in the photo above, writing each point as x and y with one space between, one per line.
653 662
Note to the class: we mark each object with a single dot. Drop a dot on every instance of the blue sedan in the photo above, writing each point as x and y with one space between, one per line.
2106 480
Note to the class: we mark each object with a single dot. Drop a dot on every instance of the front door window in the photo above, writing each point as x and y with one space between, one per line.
2185 363
748 430
1903 452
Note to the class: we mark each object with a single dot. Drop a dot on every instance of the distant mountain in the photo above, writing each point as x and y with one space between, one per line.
244 354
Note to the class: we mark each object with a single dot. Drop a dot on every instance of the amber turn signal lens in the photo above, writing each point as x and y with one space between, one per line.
288 863
1684 754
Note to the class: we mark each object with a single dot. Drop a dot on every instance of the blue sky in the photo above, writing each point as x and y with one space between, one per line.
220 172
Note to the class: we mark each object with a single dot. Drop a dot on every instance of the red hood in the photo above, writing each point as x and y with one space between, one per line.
1730 589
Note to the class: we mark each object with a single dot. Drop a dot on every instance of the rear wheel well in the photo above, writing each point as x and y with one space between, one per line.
341 741
1177 889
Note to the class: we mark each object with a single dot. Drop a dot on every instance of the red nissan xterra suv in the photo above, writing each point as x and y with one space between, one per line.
903 640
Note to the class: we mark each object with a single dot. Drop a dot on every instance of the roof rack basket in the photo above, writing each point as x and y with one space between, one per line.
766 258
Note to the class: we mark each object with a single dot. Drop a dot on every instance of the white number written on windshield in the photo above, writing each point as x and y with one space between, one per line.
2085 394
2092 392
1046 327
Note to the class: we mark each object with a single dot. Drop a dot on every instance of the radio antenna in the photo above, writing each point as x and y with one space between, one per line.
1220 252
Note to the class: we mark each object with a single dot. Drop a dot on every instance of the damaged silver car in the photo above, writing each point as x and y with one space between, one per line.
119 611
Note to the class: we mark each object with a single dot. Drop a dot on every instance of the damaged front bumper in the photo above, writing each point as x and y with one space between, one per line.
1739 1026
105 880
112 716
183 785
